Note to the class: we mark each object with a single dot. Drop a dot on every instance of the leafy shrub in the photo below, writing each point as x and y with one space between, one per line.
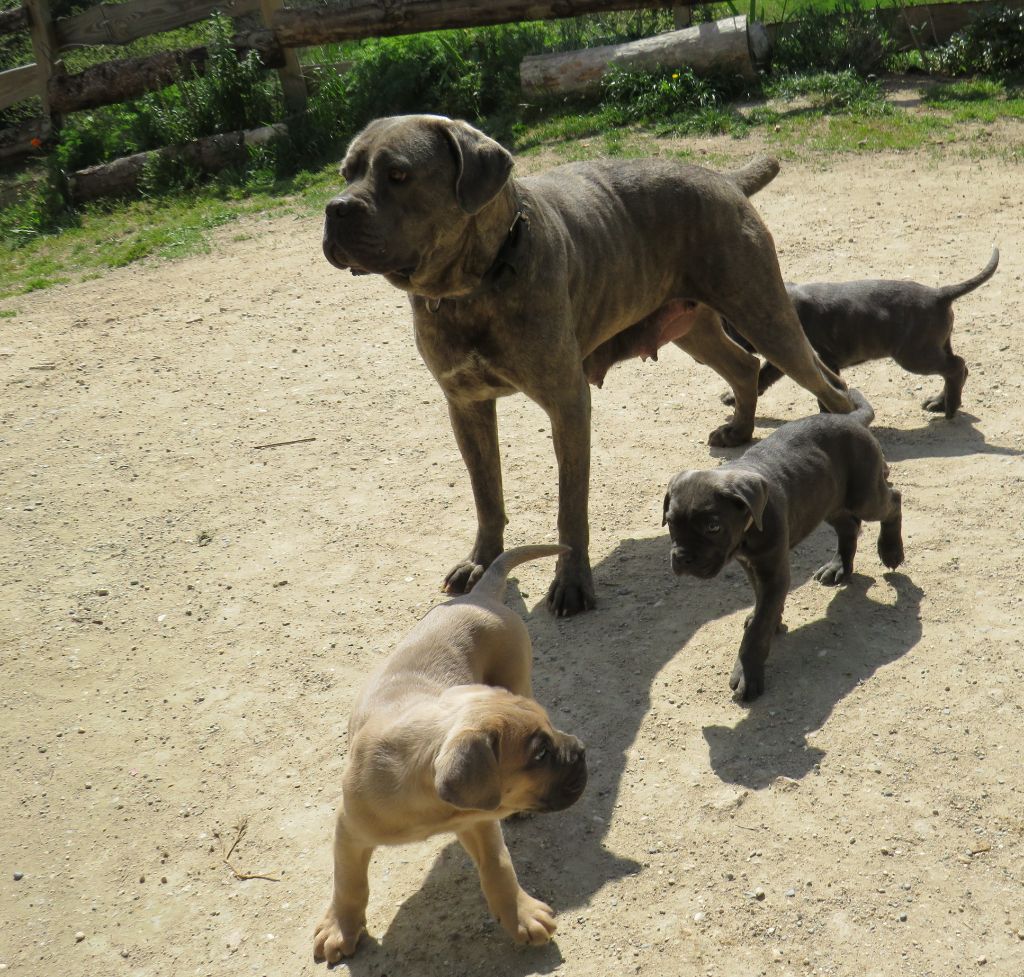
993 43
847 37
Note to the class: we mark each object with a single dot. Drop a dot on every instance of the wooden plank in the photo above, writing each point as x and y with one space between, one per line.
309 26
17 84
293 85
13 20
127 78
119 23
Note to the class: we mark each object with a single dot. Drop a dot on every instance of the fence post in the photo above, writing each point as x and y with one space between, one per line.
46 51
683 15
293 85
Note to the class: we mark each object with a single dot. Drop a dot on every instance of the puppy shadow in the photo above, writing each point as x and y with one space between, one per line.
445 927
939 438
810 670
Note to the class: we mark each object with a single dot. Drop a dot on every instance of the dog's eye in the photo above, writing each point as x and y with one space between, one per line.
712 525
540 755
397 176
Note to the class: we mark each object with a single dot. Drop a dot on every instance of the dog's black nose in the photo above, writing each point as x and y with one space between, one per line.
340 207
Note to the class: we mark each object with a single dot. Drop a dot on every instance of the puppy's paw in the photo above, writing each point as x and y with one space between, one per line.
728 398
936 404
747 681
534 921
334 938
832 573
570 595
729 435
462 577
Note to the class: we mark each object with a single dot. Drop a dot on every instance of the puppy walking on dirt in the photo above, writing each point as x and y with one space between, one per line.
514 282
827 468
447 737
849 323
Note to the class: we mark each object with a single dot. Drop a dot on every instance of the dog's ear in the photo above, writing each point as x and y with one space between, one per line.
466 770
751 490
482 166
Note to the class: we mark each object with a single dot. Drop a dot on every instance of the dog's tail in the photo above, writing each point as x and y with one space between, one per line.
492 583
950 292
756 175
862 410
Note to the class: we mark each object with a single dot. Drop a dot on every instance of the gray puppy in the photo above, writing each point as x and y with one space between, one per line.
827 468
849 323
514 282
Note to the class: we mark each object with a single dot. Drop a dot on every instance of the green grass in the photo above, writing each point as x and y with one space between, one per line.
115 235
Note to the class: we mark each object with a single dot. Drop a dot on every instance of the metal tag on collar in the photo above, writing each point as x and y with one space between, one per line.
520 216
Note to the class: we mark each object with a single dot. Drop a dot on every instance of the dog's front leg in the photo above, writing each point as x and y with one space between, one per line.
527 920
337 934
572 590
475 425
771 585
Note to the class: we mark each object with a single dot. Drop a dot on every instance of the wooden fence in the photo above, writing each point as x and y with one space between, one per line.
281 31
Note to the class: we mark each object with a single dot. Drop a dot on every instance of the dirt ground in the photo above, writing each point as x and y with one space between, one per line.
186 619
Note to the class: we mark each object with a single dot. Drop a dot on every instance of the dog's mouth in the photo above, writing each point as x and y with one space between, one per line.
686 564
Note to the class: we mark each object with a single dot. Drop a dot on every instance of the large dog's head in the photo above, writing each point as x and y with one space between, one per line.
708 513
503 753
415 186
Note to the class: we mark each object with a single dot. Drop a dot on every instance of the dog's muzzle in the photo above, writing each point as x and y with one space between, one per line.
685 562
568 790
349 240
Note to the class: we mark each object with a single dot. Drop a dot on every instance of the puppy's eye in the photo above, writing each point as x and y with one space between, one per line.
397 176
540 755
712 525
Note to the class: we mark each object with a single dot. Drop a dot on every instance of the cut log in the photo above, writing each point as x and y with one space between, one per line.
730 46
118 81
121 177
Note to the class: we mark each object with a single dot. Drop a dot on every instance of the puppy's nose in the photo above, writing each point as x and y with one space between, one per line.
575 751
680 559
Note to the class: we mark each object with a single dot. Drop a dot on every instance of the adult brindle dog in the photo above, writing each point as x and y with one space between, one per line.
514 282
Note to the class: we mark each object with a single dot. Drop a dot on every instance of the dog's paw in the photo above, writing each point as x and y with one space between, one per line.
890 550
746 681
728 398
832 573
534 923
570 596
936 404
334 939
729 436
462 577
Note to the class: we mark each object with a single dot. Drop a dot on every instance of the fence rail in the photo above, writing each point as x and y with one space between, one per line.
285 29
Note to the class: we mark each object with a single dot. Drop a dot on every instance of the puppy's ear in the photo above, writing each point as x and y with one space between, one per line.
482 166
751 490
466 770
664 509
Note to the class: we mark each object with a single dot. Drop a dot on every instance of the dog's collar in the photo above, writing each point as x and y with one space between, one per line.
504 260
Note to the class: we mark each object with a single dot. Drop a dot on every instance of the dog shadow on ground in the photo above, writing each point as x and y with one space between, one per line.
595 675
814 667
938 438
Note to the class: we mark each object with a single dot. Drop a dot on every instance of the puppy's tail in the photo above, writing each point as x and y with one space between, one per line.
492 583
756 175
862 410
950 292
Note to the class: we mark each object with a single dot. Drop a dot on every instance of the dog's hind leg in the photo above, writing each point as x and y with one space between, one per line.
526 919
942 361
839 568
708 343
